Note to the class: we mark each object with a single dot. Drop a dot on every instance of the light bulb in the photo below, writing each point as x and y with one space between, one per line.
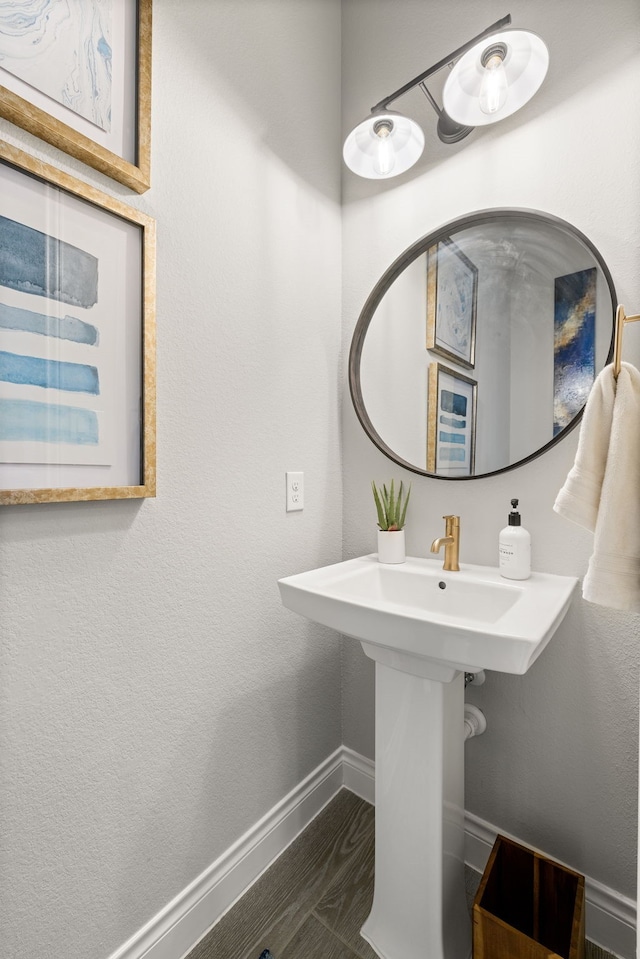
494 87
385 153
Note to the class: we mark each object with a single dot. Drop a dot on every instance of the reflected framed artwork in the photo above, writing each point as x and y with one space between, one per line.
574 344
452 294
451 422
78 75
77 339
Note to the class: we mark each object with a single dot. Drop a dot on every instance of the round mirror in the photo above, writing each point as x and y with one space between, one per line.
477 349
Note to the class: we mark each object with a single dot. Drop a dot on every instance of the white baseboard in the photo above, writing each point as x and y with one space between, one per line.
359 775
173 932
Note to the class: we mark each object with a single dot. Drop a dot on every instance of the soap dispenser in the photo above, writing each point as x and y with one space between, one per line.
515 547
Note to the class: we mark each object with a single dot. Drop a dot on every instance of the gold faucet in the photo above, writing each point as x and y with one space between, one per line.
451 543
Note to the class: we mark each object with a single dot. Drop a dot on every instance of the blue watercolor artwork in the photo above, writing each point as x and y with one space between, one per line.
452 437
48 374
62 50
453 403
445 420
34 262
574 344
63 327
28 420
451 454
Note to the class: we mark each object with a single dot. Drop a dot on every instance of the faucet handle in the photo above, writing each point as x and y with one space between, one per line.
455 520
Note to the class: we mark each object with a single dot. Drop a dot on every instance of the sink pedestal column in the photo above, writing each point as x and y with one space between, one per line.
419 907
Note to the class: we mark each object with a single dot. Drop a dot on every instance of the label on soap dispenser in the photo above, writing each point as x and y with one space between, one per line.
515 553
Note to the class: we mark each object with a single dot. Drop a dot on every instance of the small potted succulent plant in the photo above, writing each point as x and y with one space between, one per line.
392 511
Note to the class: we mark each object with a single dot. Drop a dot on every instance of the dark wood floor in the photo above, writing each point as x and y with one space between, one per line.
311 903
312 900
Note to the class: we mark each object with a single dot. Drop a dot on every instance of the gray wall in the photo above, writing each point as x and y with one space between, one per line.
155 700
558 764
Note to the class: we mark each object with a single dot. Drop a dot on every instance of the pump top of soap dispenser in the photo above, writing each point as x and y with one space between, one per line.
514 517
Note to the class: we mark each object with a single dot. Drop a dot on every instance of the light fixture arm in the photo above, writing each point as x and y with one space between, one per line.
383 105
430 97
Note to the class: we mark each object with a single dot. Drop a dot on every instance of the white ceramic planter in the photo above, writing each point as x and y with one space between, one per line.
391 546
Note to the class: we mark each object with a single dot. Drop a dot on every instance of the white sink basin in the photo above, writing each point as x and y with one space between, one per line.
468 620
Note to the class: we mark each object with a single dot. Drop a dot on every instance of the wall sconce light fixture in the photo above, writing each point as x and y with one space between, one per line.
491 77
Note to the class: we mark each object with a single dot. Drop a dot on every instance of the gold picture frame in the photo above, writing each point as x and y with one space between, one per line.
451 422
77 339
134 171
452 296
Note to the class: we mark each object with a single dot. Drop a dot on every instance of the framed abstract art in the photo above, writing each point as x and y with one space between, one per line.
451 422
452 293
77 339
574 344
78 75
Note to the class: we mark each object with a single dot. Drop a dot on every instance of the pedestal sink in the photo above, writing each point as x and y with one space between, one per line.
425 628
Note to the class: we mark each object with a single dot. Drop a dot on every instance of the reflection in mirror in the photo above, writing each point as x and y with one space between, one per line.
477 349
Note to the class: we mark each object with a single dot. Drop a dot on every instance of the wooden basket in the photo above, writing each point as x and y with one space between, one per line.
527 907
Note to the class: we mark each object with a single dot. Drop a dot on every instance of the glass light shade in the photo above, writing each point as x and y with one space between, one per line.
383 145
525 67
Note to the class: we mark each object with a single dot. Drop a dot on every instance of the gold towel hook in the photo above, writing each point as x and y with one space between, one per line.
621 319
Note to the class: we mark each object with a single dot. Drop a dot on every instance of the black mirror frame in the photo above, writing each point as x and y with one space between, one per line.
392 273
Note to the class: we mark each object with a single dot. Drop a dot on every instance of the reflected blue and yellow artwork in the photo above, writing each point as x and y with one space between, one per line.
574 344
62 48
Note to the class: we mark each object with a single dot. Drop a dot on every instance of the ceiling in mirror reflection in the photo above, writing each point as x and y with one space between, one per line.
477 349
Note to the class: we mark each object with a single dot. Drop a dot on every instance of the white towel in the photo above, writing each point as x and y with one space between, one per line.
602 490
